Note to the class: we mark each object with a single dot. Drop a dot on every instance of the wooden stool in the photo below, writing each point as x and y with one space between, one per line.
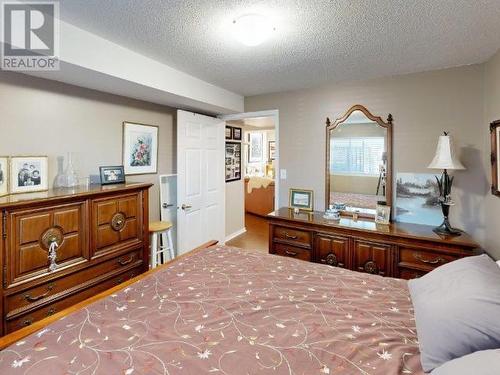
157 229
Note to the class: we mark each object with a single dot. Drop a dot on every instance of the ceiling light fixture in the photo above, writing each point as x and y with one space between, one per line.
252 29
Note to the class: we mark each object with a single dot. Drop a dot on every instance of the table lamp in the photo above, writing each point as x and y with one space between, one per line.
445 160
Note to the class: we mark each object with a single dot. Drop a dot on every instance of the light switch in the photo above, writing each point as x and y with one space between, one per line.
282 174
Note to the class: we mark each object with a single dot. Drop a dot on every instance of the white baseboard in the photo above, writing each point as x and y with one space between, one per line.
235 234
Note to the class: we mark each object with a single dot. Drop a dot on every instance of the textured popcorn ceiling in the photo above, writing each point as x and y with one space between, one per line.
315 41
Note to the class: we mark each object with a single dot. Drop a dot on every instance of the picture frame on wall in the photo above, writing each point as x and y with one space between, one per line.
4 176
140 148
301 199
256 150
112 175
233 161
28 174
495 156
229 132
237 134
271 150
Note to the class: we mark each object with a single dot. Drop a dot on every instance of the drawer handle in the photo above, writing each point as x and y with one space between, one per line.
124 262
28 297
290 237
291 253
51 311
428 261
26 322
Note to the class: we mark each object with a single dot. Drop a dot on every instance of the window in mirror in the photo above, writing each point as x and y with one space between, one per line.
357 155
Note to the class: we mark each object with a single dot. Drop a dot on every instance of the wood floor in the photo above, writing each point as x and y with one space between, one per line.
256 237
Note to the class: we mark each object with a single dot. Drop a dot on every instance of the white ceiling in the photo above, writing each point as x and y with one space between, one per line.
315 41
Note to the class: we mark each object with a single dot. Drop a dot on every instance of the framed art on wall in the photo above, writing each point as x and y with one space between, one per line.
140 148
4 175
272 150
229 132
112 175
28 174
495 156
256 151
233 161
301 199
237 134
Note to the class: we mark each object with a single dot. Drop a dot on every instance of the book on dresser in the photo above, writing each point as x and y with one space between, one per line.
63 246
397 250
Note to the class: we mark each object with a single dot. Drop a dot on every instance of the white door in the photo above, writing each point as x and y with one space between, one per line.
200 180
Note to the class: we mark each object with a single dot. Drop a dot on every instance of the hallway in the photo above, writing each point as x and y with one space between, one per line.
256 237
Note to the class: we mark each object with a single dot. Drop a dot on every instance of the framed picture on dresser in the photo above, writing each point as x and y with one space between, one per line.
28 174
4 175
495 156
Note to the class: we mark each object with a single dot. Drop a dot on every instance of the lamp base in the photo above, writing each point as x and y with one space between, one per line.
446 229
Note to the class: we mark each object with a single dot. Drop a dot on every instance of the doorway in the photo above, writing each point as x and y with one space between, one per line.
255 194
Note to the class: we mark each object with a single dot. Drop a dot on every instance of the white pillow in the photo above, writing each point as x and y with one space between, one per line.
498 262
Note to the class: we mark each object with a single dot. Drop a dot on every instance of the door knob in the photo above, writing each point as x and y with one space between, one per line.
166 205
186 206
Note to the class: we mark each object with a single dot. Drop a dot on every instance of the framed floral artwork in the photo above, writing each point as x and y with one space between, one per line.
28 174
140 148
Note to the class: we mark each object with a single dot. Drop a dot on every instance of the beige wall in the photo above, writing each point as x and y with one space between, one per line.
492 112
423 105
42 117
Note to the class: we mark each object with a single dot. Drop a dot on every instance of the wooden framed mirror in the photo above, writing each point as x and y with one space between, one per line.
359 162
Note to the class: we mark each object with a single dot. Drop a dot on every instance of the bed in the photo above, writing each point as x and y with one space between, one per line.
224 310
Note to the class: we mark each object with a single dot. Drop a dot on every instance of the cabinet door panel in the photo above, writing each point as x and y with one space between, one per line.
372 258
116 224
332 250
28 254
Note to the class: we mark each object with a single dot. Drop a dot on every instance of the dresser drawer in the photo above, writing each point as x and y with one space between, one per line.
59 288
116 223
29 239
18 321
292 252
372 257
408 274
294 236
423 259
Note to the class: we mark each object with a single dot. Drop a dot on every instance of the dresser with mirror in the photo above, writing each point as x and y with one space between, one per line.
358 177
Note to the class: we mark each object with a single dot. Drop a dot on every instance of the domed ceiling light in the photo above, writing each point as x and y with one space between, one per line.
252 29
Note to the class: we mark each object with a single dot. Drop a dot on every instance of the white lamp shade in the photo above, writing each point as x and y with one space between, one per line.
445 158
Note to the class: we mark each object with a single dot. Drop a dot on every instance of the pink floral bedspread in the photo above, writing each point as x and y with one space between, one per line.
229 311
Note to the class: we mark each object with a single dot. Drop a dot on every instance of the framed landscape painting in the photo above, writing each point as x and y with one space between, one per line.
140 148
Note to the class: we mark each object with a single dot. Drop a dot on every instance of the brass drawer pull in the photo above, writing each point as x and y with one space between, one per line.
124 262
28 297
428 261
51 311
290 237
26 322
291 253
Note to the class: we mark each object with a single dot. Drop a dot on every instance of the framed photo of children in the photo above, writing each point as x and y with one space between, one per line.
4 175
301 199
28 174
140 148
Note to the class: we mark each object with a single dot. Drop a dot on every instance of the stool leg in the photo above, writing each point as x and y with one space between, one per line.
170 244
154 250
164 243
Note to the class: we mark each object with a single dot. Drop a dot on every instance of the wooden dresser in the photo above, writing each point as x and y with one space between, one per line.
100 238
398 250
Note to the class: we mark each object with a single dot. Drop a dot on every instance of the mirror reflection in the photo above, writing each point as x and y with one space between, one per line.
357 163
